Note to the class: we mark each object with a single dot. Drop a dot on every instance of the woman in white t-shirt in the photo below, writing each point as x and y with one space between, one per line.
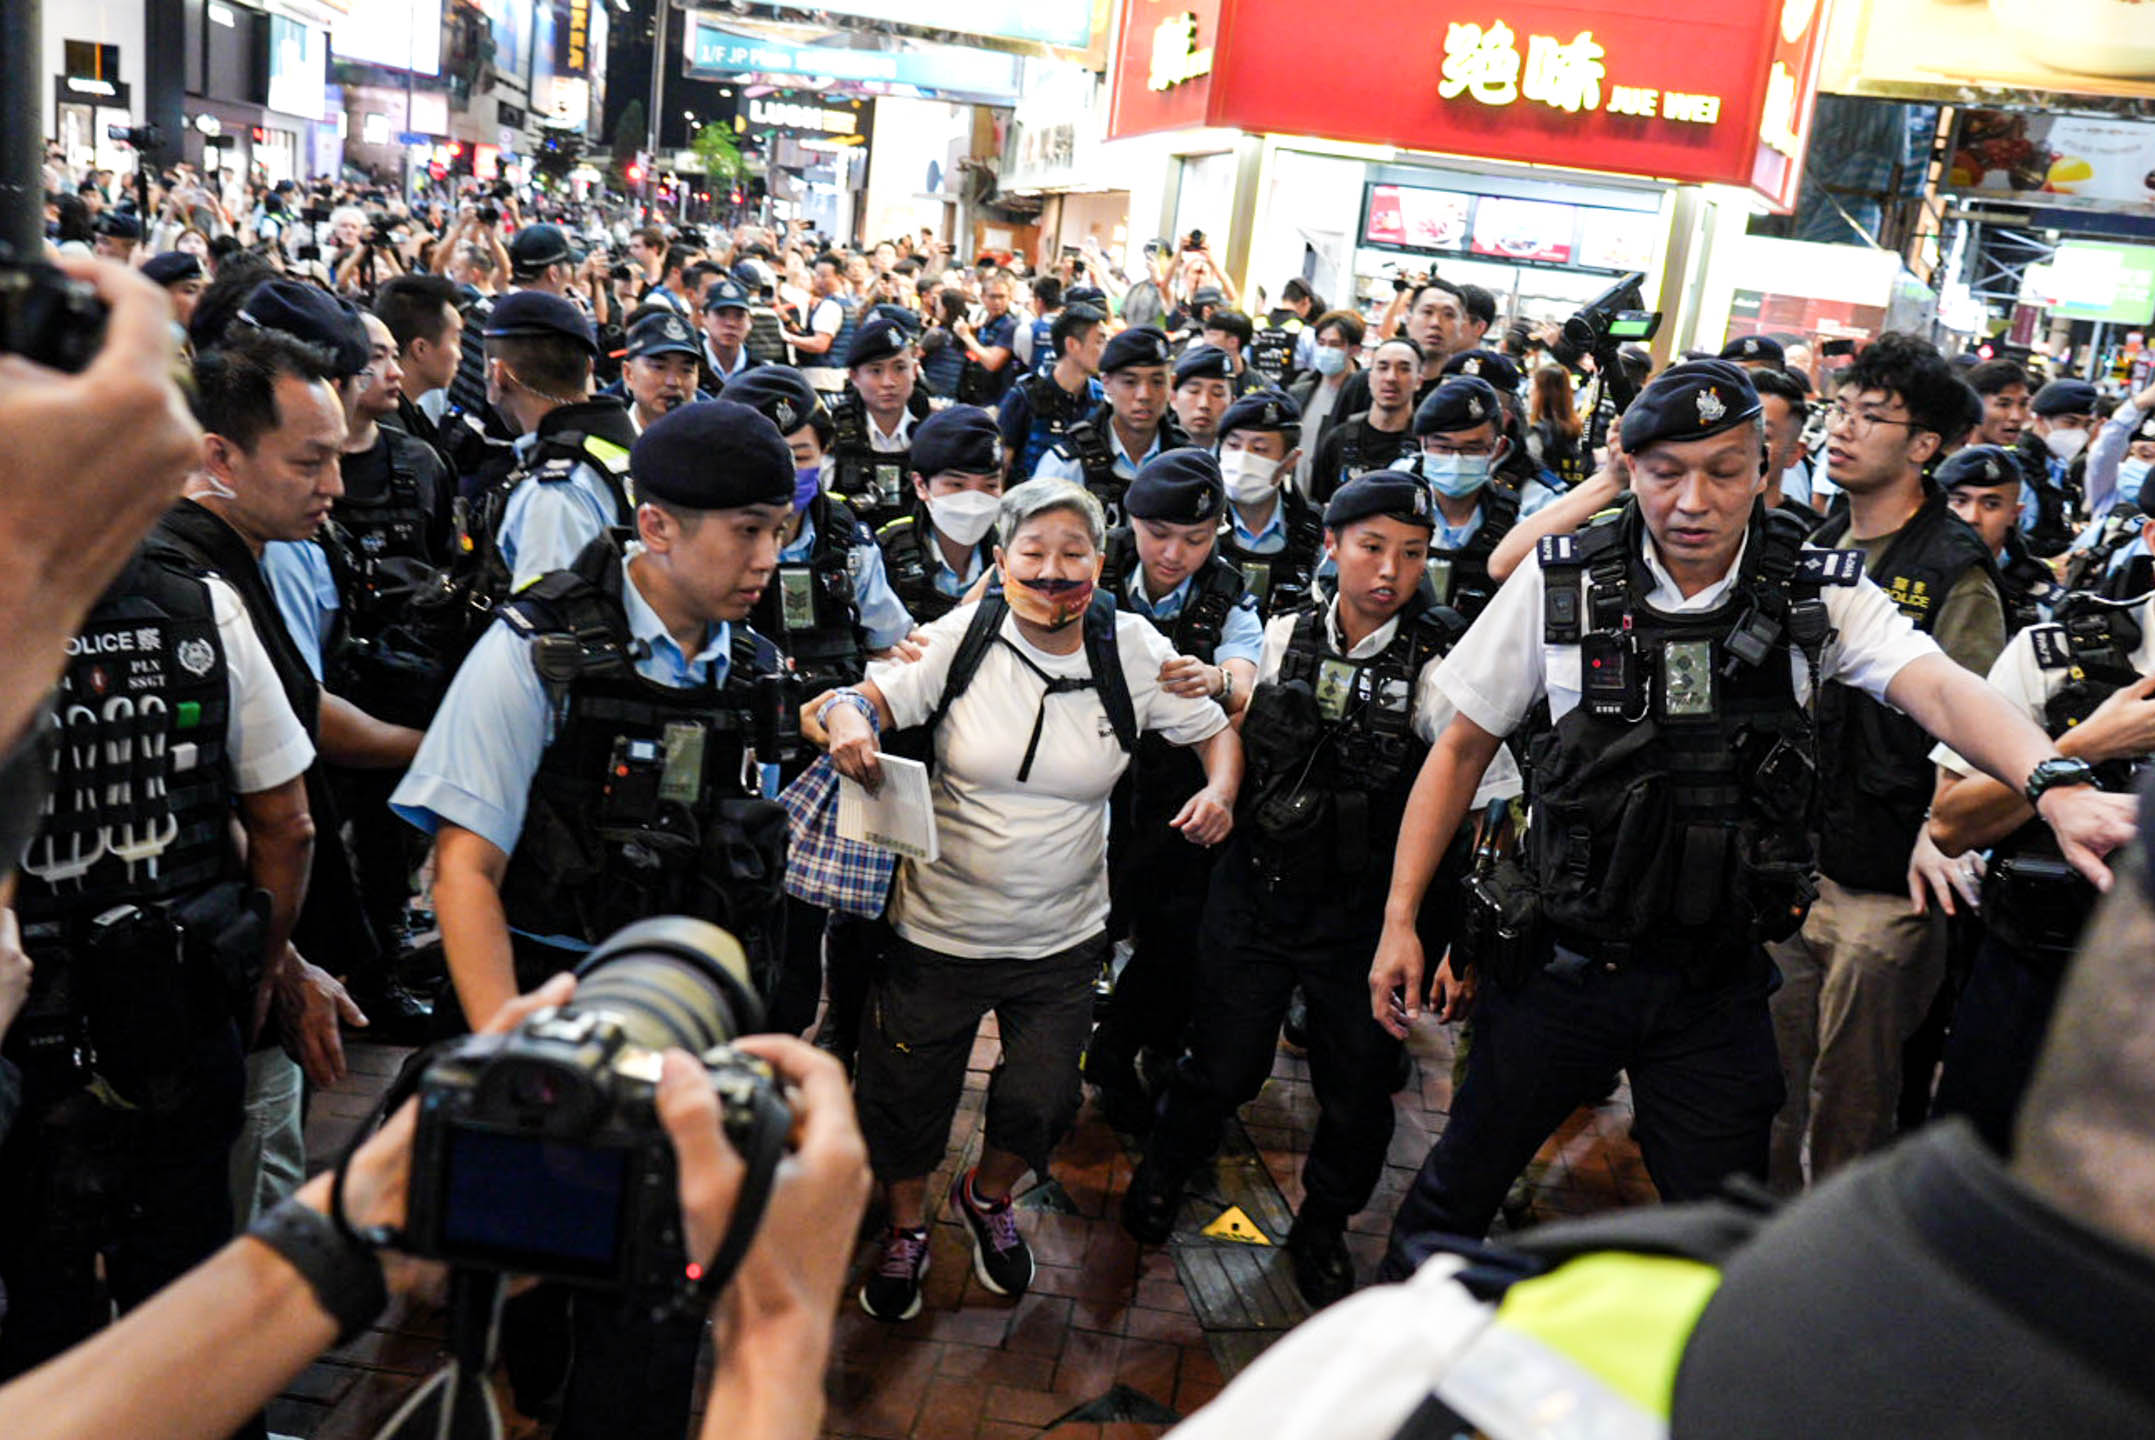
1011 917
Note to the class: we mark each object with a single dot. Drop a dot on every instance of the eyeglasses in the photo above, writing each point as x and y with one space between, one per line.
1860 423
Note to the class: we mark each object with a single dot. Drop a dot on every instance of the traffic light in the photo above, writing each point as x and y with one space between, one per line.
635 173
736 197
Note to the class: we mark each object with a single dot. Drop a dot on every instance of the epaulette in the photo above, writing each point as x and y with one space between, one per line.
1557 550
556 471
1829 567
2053 648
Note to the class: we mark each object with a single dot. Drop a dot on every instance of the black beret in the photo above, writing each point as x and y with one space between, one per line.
1755 349
315 316
1204 362
1691 401
1091 295
712 455
962 438
537 246
119 224
879 339
534 312
1206 295
2065 397
1144 345
172 267
1981 466
1380 492
1263 410
1499 370
725 295
662 334
1177 487
1460 403
780 393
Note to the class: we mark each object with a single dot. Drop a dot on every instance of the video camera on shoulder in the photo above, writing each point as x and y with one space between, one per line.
540 1151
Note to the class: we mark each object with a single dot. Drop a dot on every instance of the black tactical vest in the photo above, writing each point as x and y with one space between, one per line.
1281 579
1272 353
1194 630
2034 902
646 801
1461 577
2026 586
809 609
141 805
382 557
1353 460
1877 777
876 483
1332 754
912 565
1054 411
1673 807
1090 443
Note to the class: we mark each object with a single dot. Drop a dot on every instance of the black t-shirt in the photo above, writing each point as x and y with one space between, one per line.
366 482
1375 450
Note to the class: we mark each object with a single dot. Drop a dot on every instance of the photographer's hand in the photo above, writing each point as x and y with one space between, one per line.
61 544
774 1321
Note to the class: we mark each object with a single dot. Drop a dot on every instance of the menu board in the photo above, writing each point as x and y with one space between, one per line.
1618 239
1415 218
1524 229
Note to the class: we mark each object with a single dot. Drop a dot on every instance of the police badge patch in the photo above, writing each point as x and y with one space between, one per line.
1711 407
196 657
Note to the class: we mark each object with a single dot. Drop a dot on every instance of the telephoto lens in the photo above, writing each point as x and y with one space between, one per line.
671 981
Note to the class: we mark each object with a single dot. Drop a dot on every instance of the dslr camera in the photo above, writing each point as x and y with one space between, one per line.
540 1151
46 317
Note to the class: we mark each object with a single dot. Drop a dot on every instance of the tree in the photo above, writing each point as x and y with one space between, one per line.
630 133
721 157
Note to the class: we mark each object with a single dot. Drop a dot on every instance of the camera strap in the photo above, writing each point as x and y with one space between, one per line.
770 1125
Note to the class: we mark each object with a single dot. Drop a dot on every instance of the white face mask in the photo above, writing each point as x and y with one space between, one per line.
1249 476
966 516
1330 360
2065 444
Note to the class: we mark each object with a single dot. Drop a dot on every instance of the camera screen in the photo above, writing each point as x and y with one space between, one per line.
516 1198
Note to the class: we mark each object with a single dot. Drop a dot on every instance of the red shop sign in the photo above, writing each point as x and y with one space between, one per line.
1676 89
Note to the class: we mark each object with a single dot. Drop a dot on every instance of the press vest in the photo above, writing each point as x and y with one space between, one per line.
1672 808
809 608
646 800
1876 774
1280 579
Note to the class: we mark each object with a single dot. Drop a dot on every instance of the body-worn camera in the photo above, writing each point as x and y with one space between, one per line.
46 317
540 1151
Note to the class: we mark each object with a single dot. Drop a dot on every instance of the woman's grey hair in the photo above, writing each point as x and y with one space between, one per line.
1038 497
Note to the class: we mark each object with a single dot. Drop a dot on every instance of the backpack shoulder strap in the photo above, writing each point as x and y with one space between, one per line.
1105 657
980 633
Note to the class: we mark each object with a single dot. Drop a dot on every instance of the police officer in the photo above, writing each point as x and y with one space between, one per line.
938 550
1461 431
1372 439
1287 345
1517 471
1163 566
1204 388
1982 485
1269 533
727 320
150 933
872 422
1102 451
828 608
660 368
2052 460
568 487
2083 678
596 761
1345 708
1628 933
1038 409
1870 957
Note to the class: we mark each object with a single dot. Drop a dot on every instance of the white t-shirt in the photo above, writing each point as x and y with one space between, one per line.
1432 710
2019 678
1023 867
1503 666
264 739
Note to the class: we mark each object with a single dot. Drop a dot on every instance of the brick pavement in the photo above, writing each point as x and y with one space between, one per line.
1107 1326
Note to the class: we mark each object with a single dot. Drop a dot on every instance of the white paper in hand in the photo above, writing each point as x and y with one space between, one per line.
901 818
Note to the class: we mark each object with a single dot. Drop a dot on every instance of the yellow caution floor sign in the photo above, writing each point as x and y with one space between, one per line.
1234 1225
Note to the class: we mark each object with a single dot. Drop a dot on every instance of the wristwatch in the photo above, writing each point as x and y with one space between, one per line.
346 1276
1227 685
2057 770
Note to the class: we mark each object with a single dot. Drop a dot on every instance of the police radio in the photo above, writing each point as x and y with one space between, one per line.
1612 680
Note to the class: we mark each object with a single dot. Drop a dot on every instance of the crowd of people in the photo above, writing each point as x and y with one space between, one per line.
527 569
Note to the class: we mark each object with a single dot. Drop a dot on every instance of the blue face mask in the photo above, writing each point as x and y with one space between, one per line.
2132 477
1454 476
806 482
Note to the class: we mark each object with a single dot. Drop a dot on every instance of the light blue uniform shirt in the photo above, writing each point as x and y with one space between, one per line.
1453 537
883 614
1242 635
1268 541
475 767
1060 464
949 581
1536 495
299 576
546 525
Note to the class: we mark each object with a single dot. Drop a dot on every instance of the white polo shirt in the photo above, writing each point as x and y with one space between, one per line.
1503 666
264 740
2021 679
1023 866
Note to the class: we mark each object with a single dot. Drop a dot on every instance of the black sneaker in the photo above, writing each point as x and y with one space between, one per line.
1323 1270
1001 1258
892 1293
1150 1205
